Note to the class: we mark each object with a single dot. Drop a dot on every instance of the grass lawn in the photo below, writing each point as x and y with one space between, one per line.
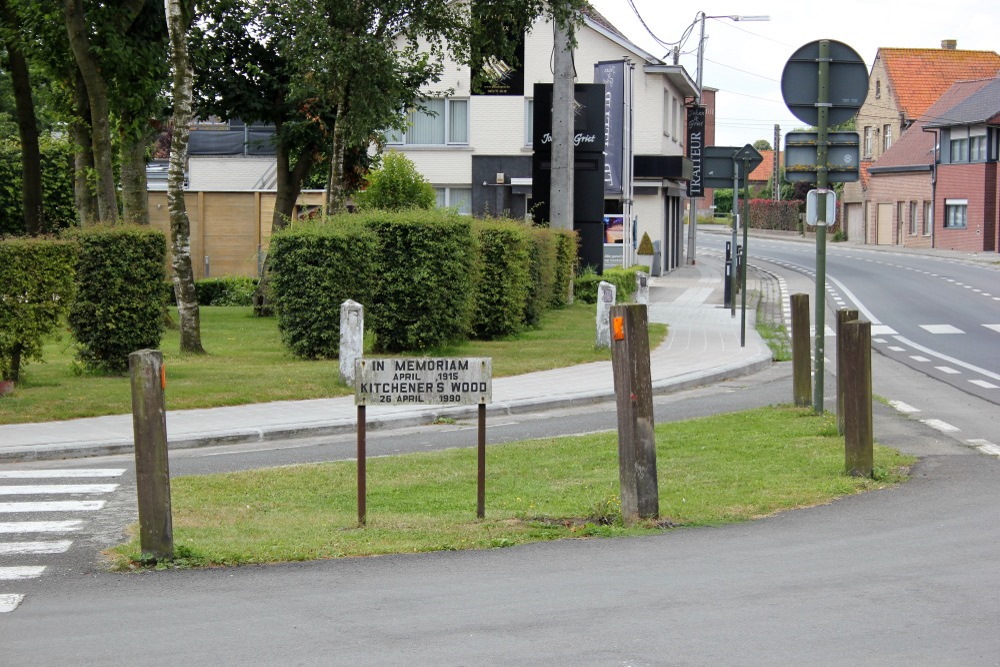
247 363
711 471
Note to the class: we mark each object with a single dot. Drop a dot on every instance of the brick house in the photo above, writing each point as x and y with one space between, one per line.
900 188
966 186
902 86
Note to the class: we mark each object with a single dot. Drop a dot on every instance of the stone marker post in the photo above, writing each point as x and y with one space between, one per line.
152 473
606 295
352 338
801 362
858 436
634 398
844 315
641 287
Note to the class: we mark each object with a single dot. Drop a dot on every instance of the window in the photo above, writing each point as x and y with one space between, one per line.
868 140
458 198
529 120
960 150
977 144
666 114
956 213
443 121
677 119
928 217
913 218
878 89
886 137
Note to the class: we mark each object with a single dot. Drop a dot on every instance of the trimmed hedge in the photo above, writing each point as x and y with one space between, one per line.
769 214
315 267
119 303
225 291
567 243
504 278
36 290
622 279
543 247
58 207
425 278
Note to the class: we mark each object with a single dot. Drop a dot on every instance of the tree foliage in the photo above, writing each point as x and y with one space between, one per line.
396 185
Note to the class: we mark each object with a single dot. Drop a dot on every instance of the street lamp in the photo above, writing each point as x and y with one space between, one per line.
700 17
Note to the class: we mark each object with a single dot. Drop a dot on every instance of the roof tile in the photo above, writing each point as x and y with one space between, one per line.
920 76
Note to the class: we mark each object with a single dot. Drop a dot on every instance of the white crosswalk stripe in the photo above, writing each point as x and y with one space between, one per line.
25 540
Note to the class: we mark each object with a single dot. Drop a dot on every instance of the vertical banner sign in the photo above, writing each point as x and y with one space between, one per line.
612 75
695 146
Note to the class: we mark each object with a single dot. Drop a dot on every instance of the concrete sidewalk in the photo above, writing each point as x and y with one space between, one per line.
703 346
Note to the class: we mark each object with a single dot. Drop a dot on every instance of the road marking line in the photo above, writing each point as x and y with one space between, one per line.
54 506
19 572
40 526
944 427
948 370
984 384
883 330
896 348
903 407
917 357
9 602
23 548
985 446
994 327
941 329
42 489
950 360
50 474
878 340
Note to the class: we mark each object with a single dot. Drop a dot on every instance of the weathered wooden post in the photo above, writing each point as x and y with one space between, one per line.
606 295
634 398
641 287
859 456
352 338
801 362
844 315
152 472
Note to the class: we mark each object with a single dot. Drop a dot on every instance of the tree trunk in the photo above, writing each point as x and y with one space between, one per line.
135 199
100 123
335 191
180 224
27 130
289 181
83 158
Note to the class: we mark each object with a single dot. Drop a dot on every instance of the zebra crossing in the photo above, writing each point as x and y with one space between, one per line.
26 537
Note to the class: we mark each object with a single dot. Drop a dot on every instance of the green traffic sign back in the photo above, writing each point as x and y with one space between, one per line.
848 85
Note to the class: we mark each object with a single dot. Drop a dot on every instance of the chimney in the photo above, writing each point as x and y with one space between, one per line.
949 44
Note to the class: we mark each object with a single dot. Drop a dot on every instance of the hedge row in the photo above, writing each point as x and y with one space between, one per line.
119 303
770 214
58 208
425 277
623 280
226 291
36 289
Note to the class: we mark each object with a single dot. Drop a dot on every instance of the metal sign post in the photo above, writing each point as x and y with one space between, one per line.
824 82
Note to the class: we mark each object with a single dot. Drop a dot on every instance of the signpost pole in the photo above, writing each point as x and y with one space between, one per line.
743 264
822 181
362 464
736 208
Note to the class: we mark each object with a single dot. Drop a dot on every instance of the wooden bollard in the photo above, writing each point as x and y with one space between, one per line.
801 357
844 315
859 456
152 472
634 398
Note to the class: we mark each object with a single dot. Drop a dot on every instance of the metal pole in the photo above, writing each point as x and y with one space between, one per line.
822 180
743 264
481 486
735 212
693 213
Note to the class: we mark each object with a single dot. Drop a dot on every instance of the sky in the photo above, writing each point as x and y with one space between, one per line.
745 59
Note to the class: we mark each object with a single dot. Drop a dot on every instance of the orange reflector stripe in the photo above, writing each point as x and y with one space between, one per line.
618 328
163 377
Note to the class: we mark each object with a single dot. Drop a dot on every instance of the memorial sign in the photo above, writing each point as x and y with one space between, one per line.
423 381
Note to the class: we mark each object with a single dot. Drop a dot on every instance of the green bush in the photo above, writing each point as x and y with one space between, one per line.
623 280
315 267
543 249
119 303
396 185
770 214
424 278
504 278
567 243
58 207
36 290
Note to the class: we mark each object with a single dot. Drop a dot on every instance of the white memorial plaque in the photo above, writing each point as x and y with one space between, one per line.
423 381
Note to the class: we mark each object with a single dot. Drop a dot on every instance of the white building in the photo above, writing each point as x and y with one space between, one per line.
477 153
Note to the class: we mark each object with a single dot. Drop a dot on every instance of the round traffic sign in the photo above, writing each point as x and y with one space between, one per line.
848 84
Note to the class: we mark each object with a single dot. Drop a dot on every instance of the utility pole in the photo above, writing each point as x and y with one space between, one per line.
561 194
776 168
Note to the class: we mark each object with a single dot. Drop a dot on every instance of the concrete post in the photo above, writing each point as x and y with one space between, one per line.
606 294
352 338
561 194
641 288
